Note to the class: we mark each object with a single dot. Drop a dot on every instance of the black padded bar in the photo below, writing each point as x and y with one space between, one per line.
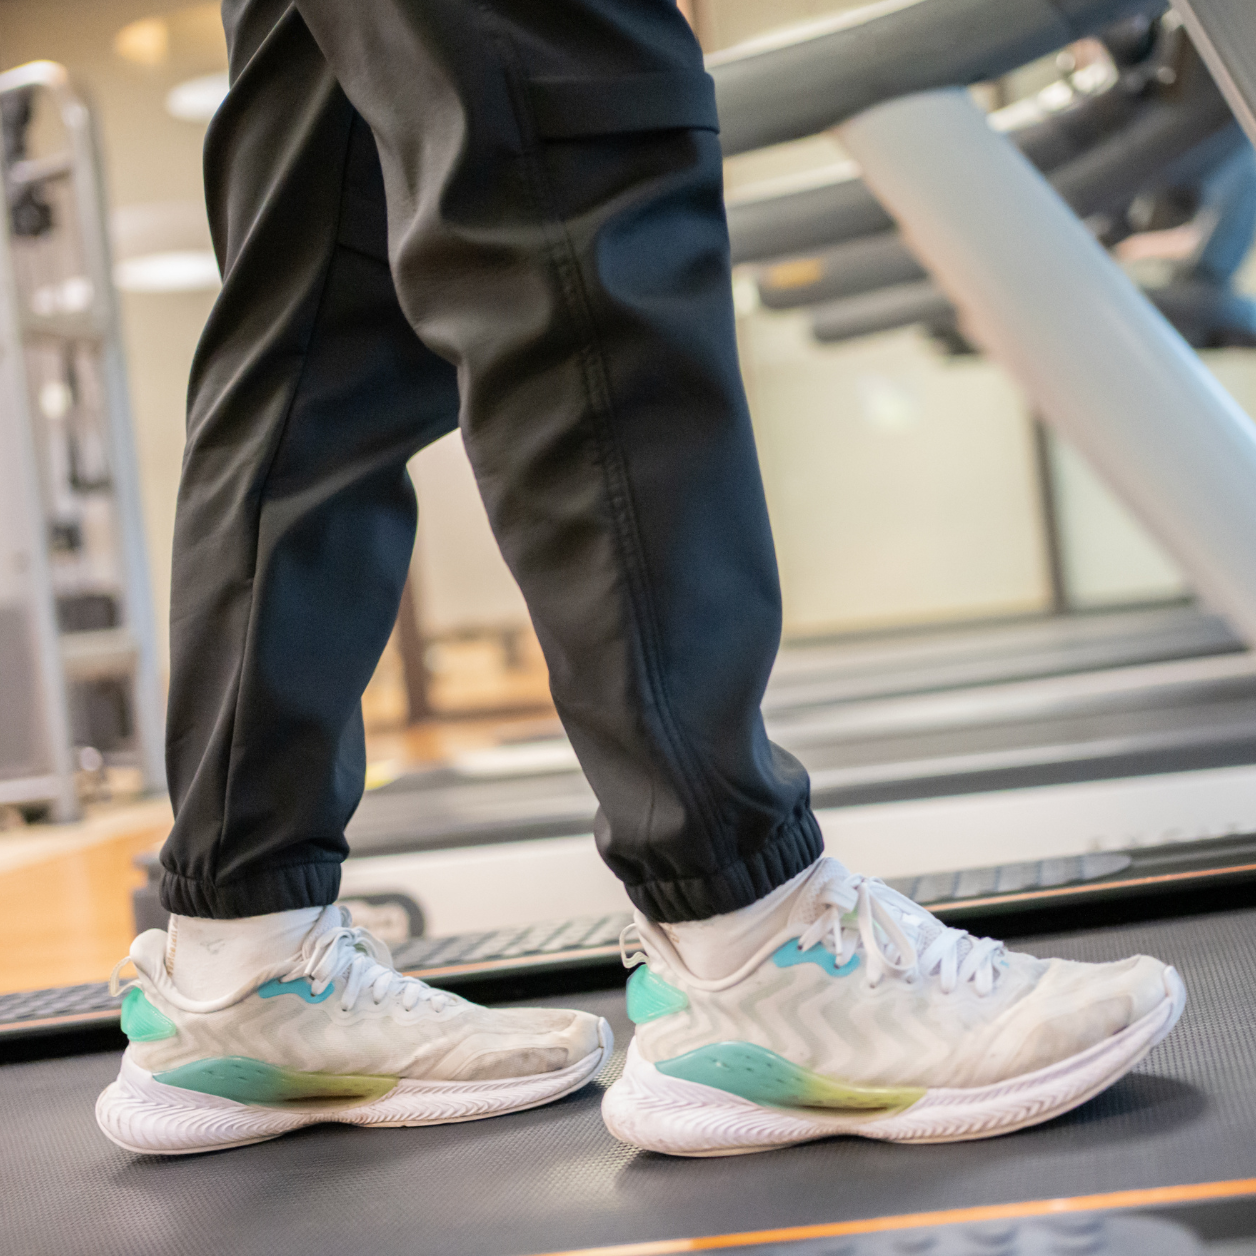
849 269
1110 174
900 305
1206 315
801 221
795 84
848 306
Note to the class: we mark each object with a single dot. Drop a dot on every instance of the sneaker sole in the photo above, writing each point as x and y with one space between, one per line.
655 1112
143 1115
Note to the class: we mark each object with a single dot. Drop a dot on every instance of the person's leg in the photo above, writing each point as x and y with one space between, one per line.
295 519
295 526
556 228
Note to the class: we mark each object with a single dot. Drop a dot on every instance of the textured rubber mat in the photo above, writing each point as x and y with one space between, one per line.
553 1179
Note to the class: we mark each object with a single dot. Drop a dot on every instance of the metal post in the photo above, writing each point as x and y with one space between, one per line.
1098 361
146 691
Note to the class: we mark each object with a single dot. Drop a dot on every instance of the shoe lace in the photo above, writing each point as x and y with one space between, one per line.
367 964
898 937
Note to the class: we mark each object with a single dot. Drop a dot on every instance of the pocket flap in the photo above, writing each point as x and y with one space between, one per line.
568 108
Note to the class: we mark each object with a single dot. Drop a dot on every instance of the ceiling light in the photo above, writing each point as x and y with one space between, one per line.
181 270
146 42
197 99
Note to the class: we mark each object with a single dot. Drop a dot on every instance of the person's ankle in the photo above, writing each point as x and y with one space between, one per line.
208 959
720 945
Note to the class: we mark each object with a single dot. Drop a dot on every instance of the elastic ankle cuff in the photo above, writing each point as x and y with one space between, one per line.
267 890
793 848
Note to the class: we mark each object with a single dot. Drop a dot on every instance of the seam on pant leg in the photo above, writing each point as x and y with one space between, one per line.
264 481
566 268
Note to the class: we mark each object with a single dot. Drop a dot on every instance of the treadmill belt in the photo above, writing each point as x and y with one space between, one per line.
553 1180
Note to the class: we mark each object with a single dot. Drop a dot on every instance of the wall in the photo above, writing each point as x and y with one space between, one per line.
901 484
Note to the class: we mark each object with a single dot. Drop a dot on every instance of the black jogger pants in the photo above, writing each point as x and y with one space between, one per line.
504 214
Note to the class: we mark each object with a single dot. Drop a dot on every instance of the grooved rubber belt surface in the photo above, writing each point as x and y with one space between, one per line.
553 1179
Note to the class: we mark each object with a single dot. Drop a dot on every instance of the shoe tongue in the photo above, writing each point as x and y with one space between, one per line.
337 917
931 927
811 901
332 917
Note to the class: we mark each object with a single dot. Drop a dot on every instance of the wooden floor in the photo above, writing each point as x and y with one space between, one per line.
65 890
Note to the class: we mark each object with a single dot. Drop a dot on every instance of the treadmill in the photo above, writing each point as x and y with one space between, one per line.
1163 1162
1166 1158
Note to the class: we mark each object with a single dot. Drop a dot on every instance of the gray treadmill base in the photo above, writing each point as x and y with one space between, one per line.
1044 701
553 1180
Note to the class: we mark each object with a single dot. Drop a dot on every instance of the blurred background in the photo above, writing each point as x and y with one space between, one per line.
912 490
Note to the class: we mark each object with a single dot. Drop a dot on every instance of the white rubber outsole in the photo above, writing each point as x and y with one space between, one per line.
655 1112
143 1115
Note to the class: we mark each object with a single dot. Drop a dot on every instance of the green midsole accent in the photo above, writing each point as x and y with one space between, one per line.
254 1081
301 987
650 997
762 1076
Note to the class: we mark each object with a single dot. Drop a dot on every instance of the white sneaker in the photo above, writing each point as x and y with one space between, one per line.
866 1015
335 1034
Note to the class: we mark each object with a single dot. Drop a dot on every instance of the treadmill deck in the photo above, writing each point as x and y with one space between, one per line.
553 1180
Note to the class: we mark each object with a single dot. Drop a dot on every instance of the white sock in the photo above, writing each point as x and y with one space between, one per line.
210 958
716 947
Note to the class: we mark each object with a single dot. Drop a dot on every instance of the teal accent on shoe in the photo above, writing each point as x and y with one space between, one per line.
818 954
254 1081
300 986
762 1076
650 997
141 1021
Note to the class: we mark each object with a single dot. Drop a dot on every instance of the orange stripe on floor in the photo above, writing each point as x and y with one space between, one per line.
1148 1197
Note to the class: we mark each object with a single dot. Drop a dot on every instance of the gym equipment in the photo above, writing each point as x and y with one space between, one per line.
1098 134
81 688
